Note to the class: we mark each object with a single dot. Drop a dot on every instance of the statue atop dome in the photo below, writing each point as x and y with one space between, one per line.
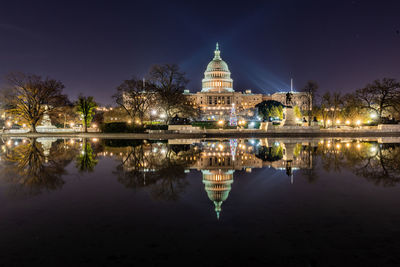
217 53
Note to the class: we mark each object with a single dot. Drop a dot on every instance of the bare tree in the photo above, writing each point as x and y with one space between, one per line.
310 97
352 108
379 96
30 96
135 96
326 102
336 106
170 84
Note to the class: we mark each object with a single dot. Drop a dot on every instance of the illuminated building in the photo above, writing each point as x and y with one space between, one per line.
217 95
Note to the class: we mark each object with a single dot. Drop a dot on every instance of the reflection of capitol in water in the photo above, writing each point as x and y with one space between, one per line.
220 159
217 185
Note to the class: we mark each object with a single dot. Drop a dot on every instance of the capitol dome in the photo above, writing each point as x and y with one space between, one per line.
217 77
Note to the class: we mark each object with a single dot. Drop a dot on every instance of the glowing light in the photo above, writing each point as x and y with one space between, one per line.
347 122
358 122
337 121
358 146
373 149
348 145
95 139
71 124
163 116
24 125
9 123
221 122
328 121
373 115
153 112
338 146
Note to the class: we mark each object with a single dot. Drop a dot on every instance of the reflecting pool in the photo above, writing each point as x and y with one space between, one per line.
259 202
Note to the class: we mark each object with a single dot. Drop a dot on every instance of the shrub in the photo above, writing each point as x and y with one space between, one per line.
120 127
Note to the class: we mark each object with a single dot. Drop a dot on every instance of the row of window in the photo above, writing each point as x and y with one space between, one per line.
219 100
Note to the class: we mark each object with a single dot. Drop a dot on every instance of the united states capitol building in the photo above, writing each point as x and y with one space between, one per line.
217 96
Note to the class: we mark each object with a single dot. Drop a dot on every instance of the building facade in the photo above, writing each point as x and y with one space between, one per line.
217 96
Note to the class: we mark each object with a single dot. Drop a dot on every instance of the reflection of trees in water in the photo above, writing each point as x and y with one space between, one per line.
272 153
309 153
378 163
331 158
160 168
30 172
86 160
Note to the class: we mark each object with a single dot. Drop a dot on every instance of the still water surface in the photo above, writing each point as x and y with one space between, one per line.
259 202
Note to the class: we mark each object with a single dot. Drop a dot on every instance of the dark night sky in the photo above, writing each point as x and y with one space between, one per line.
93 46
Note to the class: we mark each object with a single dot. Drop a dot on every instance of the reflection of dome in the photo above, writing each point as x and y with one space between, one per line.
218 186
217 76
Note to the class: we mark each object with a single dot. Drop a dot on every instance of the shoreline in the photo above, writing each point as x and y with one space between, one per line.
213 134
